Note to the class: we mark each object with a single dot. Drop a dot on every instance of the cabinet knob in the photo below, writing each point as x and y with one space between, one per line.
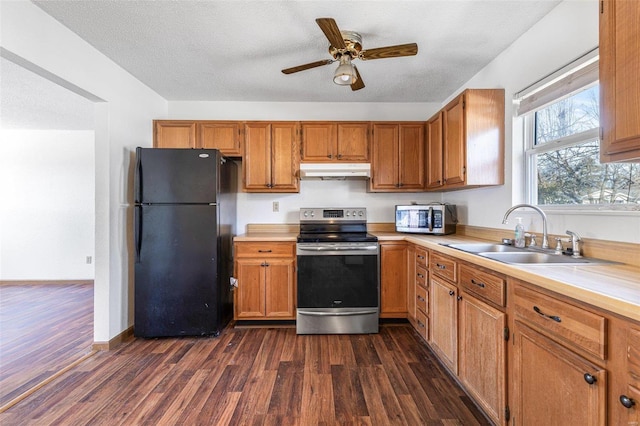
589 378
451 292
330 155
459 298
626 401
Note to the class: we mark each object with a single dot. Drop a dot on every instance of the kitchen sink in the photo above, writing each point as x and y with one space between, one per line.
523 256
484 247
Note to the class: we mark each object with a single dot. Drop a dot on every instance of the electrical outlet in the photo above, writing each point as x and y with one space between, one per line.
276 206
89 260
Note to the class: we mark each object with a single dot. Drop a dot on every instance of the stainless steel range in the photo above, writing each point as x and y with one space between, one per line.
338 273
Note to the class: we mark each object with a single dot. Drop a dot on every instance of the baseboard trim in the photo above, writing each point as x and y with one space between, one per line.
115 342
44 282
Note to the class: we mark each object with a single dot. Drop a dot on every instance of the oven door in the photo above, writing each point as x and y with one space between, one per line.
338 288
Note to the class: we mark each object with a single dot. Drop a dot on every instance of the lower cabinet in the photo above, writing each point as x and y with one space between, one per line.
393 279
443 316
482 360
266 281
551 385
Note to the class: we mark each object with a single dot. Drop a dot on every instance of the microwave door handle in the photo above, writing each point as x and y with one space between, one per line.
430 219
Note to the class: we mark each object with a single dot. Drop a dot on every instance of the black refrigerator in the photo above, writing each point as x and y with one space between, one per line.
184 224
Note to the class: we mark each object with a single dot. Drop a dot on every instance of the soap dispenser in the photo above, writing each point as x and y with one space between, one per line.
519 235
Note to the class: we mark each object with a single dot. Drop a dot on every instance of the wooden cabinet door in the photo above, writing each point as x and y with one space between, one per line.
257 157
250 293
482 355
222 135
411 155
284 157
393 280
454 142
353 142
434 152
279 289
174 134
318 142
549 386
444 321
619 81
384 165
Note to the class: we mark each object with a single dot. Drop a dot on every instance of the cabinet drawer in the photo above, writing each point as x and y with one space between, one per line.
422 257
422 325
421 276
571 325
422 299
443 266
265 249
488 286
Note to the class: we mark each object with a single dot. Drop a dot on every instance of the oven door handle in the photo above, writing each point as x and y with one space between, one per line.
336 314
337 248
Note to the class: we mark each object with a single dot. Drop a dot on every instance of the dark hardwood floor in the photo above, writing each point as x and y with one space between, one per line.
43 328
256 376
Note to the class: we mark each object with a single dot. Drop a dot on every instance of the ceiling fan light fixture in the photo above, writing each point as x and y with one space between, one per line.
345 74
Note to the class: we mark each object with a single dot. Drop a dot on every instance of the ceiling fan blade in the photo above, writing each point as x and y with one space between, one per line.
358 84
409 49
307 66
332 32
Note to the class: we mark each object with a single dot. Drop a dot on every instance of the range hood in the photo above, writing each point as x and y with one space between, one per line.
335 170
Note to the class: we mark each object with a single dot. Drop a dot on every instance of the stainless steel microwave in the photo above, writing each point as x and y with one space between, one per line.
435 218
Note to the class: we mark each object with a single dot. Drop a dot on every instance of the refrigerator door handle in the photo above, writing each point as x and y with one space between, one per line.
138 231
137 181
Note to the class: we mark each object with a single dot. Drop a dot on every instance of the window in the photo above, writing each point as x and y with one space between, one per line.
562 146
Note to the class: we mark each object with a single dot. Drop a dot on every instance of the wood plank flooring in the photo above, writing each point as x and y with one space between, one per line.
256 376
43 328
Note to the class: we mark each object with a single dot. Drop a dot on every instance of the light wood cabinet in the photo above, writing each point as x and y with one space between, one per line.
553 385
443 317
482 359
397 157
266 281
335 142
225 136
271 160
393 280
619 82
174 134
472 141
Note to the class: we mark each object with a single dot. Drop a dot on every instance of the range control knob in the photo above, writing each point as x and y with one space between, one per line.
306 214
360 213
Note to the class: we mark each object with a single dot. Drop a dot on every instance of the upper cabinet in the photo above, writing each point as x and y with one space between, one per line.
174 134
619 80
271 161
225 136
466 141
335 142
397 157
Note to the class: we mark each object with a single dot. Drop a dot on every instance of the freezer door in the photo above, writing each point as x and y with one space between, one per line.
176 271
176 175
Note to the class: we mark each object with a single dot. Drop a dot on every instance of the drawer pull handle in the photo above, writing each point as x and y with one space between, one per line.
420 298
626 401
420 324
441 266
420 276
420 257
589 378
478 283
264 251
551 317
451 292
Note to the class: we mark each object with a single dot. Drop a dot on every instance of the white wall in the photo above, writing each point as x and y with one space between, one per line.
122 122
47 211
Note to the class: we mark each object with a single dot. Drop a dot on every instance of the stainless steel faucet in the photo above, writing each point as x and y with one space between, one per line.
575 244
545 236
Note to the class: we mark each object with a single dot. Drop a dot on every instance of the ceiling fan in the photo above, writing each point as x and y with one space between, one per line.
346 46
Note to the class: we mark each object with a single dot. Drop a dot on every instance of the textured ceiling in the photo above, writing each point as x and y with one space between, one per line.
234 50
